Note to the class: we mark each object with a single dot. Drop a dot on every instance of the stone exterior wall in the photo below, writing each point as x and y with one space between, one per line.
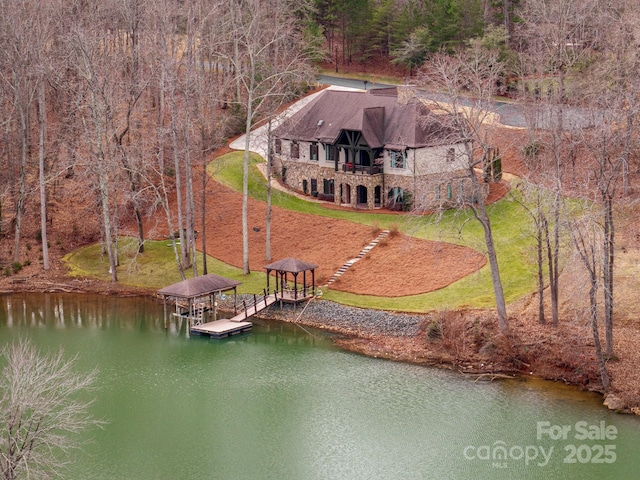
426 191
432 177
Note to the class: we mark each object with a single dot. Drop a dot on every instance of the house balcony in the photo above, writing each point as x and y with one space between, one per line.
362 169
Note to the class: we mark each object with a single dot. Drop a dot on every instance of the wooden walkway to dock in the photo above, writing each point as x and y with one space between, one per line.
257 306
231 326
240 323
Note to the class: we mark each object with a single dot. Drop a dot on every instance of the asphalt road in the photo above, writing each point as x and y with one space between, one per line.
512 114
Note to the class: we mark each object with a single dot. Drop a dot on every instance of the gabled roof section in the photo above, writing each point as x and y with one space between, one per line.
199 286
373 126
379 117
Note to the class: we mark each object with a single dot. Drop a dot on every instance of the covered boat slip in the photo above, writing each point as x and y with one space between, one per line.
195 300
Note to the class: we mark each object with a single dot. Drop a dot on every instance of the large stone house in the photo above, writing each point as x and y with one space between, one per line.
370 150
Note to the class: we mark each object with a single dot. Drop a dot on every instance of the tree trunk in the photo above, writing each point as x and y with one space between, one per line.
184 258
487 13
480 213
268 219
245 189
554 257
190 234
508 22
606 383
43 194
164 200
134 187
104 200
609 243
495 272
22 182
541 228
203 211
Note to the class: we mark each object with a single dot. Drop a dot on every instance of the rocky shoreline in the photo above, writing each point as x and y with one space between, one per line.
338 318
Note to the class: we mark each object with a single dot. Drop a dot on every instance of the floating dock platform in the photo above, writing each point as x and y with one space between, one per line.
221 328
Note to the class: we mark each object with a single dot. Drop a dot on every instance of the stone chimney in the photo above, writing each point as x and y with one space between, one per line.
406 93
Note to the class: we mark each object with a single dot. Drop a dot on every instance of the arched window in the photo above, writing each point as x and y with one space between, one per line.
362 195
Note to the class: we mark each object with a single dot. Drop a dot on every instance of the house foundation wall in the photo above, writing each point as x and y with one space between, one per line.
421 192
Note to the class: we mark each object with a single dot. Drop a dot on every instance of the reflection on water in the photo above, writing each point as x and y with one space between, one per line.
283 403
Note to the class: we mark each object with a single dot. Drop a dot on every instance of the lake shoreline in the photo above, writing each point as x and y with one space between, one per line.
401 337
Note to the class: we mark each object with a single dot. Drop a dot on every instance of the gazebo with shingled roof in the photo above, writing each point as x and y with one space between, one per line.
293 266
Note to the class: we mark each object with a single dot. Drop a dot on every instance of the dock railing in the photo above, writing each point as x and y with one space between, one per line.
259 302
300 294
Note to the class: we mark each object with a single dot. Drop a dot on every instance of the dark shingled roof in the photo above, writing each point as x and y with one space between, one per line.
199 286
380 118
291 265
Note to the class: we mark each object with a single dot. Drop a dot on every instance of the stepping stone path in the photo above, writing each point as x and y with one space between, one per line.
363 252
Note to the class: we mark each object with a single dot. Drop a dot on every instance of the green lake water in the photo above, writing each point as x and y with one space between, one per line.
283 403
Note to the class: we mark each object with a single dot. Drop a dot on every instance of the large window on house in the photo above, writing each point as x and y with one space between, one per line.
313 151
330 153
278 145
295 149
398 158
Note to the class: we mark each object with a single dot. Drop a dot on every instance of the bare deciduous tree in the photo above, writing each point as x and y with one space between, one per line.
43 408
587 238
467 79
266 50
613 97
558 36
92 52
20 79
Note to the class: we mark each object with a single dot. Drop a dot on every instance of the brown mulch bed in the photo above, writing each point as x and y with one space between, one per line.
408 266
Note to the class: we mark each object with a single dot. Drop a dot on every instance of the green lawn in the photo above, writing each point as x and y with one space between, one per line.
510 226
156 267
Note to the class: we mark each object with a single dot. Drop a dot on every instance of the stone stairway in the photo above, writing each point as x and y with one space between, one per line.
363 252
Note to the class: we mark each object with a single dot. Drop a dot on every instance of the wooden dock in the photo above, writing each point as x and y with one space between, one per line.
221 328
232 326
